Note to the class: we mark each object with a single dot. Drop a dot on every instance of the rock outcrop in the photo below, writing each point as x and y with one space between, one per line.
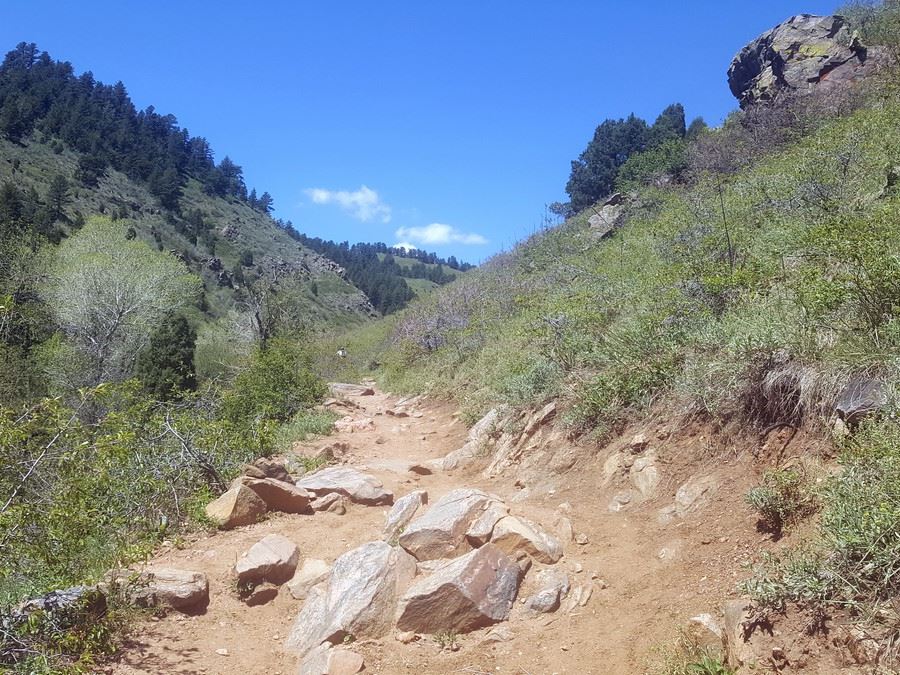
801 54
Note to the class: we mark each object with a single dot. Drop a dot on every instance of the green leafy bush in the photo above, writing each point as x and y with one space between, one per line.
277 383
783 498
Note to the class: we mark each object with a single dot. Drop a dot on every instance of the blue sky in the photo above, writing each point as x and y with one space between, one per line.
447 125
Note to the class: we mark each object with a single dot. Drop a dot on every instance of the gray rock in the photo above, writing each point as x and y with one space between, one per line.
512 534
736 633
475 442
358 599
645 475
311 573
273 559
860 398
801 54
239 506
162 586
553 586
441 531
358 487
609 216
470 592
694 494
402 513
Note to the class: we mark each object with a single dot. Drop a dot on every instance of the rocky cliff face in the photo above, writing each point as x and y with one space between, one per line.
803 53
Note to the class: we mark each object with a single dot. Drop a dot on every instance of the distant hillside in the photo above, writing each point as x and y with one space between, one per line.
71 147
389 276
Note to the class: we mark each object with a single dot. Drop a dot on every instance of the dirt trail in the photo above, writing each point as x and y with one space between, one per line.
656 577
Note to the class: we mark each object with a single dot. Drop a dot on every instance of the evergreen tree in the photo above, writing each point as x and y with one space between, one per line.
166 367
265 203
58 195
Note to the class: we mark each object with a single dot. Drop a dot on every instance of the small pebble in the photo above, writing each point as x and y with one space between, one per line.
222 652
581 539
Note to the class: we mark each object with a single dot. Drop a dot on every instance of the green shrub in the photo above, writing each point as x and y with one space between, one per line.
685 656
277 383
783 498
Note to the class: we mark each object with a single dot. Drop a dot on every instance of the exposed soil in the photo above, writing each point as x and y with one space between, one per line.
656 576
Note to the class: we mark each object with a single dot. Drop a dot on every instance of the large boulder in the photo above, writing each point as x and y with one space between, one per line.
471 592
183 590
273 559
441 531
356 486
279 495
512 534
358 600
803 53
238 506
402 512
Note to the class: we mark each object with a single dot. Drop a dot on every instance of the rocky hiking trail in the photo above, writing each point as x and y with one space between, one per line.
531 555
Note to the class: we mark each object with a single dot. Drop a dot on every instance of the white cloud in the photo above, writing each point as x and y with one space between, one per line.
406 245
363 204
437 234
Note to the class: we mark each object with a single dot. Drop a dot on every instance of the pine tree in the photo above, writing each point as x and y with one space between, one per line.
58 195
166 366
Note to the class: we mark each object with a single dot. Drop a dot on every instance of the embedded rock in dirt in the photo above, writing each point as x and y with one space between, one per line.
694 494
329 452
351 424
402 512
358 487
309 574
513 534
645 475
803 53
332 503
553 586
478 436
441 531
268 468
180 589
470 592
736 633
239 506
341 389
480 531
326 659
278 495
358 599
272 559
